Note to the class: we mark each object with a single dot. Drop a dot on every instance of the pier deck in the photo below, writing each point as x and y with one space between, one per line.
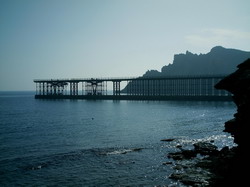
136 88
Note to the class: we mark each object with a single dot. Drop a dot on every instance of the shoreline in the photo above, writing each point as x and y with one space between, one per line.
206 165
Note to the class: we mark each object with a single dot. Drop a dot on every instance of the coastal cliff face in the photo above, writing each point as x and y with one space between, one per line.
238 83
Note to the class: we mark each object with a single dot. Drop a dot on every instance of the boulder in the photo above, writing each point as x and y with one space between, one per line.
168 140
184 154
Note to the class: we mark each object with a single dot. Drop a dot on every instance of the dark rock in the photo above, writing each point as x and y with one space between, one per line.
205 163
208 171
176 156
137 149
184 154
230 126
189 154
178 146
202 148
176 176
214 170
195 180
192 178
225 150
238 83
232 160
168 140
178 167
205 148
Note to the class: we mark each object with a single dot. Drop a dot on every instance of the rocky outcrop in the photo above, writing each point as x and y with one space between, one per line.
238 83
202 148
208 171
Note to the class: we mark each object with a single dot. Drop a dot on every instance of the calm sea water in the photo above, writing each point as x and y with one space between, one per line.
100 143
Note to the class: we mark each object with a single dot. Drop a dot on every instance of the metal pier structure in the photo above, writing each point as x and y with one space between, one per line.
136 88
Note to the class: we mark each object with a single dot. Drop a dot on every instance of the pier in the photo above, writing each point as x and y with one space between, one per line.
134 88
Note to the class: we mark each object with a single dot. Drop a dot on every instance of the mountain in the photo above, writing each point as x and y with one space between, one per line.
219 61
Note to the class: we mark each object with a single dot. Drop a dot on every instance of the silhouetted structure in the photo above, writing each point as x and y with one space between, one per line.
219 61
141 88
238 83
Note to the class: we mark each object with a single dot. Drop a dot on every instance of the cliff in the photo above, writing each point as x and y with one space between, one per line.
238 83
218 61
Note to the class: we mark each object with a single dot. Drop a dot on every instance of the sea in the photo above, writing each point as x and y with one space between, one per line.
101 142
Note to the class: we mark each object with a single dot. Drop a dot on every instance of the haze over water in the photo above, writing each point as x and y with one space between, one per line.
100 143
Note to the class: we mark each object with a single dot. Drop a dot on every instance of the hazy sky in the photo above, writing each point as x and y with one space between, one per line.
110 38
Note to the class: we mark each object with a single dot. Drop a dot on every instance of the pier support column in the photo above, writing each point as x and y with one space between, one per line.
116 87
70 88
73 88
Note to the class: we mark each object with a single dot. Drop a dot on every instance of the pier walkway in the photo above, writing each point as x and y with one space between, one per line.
133 88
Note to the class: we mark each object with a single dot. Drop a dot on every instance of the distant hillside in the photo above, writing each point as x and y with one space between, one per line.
218 61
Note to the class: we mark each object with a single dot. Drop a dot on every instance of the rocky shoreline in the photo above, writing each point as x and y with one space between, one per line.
205 165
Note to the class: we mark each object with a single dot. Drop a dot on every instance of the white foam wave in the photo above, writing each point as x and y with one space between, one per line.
123 151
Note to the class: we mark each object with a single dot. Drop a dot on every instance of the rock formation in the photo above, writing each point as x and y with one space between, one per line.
219 61
238 83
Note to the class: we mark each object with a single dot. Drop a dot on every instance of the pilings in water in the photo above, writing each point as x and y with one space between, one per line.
144 88
193 86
